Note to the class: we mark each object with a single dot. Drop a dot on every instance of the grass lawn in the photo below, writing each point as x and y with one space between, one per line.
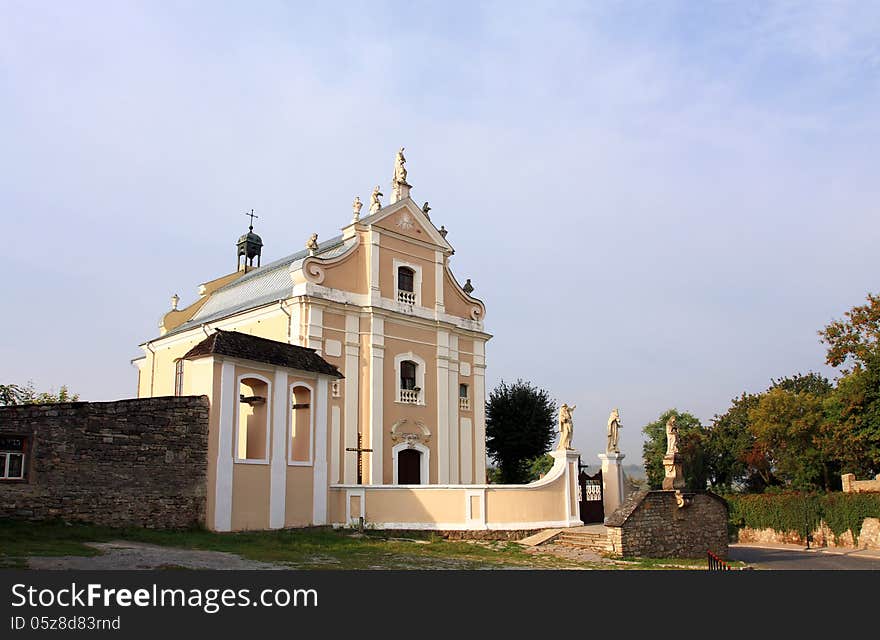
311 548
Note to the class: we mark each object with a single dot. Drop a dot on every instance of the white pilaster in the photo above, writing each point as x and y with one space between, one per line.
278 457
223 484
377 370
612 481
443 407
454 441
467 451
315 329
479 409
335 445
352 380
319 510
375 293
439 303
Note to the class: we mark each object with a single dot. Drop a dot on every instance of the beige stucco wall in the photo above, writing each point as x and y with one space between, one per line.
299 496
391 249
350 274
157 370
540 504
250 496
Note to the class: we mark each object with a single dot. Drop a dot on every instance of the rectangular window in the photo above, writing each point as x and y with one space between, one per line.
178 378
464 402
12 457
405 277
407 375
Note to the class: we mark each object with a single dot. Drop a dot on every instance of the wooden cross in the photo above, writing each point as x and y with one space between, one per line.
252 215
360 451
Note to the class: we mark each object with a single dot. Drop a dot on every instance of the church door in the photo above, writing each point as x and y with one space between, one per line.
409 467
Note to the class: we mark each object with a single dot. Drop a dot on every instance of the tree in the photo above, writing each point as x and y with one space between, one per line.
786 426
12 394
855 338
691 438
728 445
851 432
520 426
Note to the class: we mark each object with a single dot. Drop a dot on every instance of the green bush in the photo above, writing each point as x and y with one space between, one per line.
802 512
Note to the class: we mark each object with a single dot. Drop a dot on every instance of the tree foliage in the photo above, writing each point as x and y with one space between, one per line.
690 445
13 394
786 425
520 426
855 338
851 431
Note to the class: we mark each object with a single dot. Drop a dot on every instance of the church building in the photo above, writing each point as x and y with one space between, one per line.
351 366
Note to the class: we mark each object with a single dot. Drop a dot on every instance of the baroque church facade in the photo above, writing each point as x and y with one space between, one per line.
369 367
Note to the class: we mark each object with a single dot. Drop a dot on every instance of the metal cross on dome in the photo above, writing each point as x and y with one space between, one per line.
252 216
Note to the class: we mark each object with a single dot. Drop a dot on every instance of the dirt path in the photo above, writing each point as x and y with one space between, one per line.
138 555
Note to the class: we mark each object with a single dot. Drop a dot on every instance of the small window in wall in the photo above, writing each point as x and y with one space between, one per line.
406 291
178 378
409 392
464 400
12 457
253 420
301 425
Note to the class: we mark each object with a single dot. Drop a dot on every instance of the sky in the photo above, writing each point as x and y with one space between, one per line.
660 203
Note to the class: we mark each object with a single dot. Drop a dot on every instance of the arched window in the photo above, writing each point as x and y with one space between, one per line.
178 377
301 424
464 400
409 370
253 419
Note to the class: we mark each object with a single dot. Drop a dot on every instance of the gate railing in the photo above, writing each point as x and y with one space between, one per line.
716 563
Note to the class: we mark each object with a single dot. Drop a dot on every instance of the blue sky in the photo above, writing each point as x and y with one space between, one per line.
659 202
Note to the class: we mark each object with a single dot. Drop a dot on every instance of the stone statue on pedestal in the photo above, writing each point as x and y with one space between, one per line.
673 473
566 427
356 209
614 427
312 243
671 436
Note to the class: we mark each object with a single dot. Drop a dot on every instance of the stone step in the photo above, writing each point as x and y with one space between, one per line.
600 548
583 537
593 541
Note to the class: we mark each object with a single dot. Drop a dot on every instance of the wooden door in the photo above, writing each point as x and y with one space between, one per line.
409 467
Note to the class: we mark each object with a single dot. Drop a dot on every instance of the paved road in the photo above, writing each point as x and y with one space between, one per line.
765 558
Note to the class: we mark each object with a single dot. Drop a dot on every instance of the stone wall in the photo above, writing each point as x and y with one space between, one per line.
869 536
136 462
651 524
851 485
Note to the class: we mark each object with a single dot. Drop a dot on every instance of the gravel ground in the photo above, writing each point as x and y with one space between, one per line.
138 555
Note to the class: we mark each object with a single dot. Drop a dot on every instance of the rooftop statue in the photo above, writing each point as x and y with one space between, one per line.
356 208
375 205
312 243
399 168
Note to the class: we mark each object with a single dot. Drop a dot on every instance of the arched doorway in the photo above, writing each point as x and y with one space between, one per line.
409 466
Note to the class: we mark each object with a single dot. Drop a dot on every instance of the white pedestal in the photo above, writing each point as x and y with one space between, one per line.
570 459
612 481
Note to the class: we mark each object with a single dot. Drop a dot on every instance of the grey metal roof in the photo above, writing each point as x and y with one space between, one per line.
264 285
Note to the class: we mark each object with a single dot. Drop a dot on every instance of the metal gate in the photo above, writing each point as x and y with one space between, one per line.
591 505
